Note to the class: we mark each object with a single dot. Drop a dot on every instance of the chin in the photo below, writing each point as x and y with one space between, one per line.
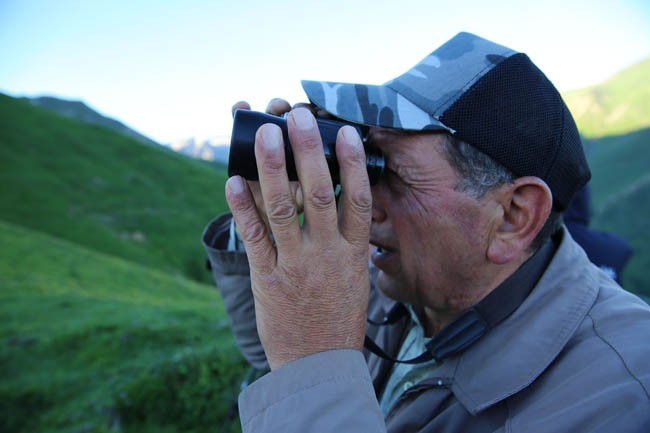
390 287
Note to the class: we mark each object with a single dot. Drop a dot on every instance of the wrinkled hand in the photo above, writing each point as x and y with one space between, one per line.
311 286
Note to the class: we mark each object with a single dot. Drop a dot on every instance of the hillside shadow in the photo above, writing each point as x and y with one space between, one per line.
620 185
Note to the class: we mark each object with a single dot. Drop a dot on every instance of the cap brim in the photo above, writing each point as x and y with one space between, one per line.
370 105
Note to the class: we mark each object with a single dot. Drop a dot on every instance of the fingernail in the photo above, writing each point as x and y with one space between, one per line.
303 119
235 185
271 136
351 135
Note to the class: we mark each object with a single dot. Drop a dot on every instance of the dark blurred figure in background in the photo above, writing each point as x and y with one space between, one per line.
608 251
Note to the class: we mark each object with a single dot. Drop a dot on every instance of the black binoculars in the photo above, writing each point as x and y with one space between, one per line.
242 146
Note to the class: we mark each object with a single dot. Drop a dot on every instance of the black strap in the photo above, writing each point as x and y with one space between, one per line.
477 321
459 335
370 344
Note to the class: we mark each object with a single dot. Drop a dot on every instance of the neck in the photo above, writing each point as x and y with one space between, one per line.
434 319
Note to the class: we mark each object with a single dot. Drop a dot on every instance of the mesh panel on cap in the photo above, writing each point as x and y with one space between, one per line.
516 116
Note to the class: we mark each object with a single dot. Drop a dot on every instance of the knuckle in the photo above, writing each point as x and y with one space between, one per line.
253 232
322 198
272 164
281 210
361 201
311 142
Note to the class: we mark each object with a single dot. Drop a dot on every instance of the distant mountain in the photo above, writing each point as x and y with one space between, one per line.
617 106
80 111
207 150
212 150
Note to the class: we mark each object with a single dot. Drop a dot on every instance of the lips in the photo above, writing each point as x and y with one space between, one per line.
382 256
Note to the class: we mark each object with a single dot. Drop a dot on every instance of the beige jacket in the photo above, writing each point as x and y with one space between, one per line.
574 357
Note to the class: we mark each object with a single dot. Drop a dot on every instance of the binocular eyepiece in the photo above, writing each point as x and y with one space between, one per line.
242 146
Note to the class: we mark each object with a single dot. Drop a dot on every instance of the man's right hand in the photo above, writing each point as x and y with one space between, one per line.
311 285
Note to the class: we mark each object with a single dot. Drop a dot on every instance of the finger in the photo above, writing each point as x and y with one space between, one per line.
241 105
308 106
255 189
297 194
250 225
278 199
278 107
315 180
355 203
316 111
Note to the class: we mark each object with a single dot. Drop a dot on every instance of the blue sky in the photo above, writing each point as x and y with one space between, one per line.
172 69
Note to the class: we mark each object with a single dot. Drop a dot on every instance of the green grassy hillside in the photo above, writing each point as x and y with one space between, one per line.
614 119
93 343
104 190
617 106
80 111
621 197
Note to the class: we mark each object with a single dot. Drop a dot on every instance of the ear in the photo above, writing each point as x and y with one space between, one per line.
525 206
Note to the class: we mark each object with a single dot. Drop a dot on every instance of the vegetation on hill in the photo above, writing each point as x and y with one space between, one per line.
614 121
104 324
617 106
94 343
621 198
104 190
80 111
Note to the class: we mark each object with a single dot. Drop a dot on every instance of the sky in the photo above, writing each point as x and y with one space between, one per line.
172 69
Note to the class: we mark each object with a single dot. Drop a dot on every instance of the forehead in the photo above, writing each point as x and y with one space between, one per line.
404 142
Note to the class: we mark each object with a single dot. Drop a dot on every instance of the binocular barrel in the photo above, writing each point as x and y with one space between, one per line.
242 146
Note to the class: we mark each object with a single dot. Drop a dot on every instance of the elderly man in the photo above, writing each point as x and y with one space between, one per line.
480 313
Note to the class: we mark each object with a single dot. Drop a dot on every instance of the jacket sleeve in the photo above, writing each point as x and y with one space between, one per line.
326 392
232 277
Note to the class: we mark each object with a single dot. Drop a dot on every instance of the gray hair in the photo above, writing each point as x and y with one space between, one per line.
479 173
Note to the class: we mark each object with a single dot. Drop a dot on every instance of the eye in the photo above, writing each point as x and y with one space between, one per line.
393 180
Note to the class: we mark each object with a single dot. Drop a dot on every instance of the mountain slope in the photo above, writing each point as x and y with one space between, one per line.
621 197
104 190
619 105
92 342
80 111
614 120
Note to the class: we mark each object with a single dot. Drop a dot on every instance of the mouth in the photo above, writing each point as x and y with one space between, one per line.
381 247
382 254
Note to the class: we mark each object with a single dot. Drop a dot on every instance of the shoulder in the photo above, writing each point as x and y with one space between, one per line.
602 374
618 324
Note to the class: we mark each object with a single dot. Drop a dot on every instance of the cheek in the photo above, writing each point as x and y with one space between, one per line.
449 230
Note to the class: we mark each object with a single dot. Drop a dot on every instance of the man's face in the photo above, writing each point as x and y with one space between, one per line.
431 239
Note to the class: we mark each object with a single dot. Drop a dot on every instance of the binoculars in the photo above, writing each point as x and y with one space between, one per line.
242 146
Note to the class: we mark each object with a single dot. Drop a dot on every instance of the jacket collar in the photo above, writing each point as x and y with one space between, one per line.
516 352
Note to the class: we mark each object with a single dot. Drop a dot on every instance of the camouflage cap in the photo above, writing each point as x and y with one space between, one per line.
488 95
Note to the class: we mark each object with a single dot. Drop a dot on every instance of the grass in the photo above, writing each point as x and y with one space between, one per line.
621 198
616 106
93 343
106 191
